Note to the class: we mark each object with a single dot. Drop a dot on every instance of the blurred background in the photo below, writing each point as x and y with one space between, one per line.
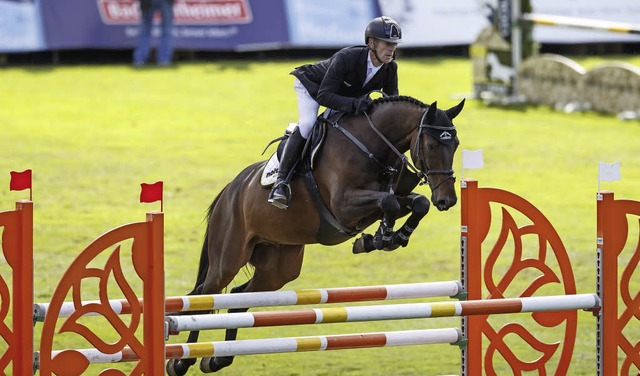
60 30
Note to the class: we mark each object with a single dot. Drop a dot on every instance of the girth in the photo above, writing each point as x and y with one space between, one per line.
330 231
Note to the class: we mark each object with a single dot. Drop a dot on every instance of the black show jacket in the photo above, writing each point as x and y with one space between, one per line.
337 81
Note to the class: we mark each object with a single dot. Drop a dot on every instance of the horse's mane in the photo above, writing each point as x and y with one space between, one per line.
395 98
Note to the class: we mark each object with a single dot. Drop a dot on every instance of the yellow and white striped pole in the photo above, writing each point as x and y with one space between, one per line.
278 298
381 312
282 345
580 23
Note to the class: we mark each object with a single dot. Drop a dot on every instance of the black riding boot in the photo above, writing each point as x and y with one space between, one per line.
281 192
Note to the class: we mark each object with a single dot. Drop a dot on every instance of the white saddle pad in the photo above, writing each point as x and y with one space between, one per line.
270 171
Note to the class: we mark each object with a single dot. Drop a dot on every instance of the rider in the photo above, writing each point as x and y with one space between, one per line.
340 83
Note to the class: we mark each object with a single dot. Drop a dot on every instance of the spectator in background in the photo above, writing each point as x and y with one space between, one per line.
164 52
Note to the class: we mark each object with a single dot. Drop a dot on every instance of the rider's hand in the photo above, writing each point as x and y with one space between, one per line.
361 104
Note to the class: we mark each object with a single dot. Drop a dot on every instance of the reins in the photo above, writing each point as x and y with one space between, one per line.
402 157
390 171
358 143
423 176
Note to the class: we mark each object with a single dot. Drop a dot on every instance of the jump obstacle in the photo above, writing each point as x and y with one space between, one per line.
518 17
148 313
279 298
508 70
286 345
382 312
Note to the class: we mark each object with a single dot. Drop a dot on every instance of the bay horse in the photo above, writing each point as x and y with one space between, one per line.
357 176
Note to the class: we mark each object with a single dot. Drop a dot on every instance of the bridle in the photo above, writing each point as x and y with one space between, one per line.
424 129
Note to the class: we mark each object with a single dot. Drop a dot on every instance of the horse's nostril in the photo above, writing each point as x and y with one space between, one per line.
444 204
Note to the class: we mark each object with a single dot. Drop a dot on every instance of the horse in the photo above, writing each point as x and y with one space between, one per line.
358 175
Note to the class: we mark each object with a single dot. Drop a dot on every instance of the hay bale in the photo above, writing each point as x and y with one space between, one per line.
550 79
612 87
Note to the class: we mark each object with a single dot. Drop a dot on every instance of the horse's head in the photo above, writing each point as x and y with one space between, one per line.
433 151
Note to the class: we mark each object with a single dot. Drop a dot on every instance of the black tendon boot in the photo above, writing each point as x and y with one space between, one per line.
281 192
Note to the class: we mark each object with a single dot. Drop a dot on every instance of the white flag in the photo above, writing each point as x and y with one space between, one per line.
472 159
608 171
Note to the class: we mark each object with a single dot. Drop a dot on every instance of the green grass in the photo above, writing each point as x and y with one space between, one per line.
92 134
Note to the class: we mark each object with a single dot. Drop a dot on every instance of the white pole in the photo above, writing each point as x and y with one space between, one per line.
283 345
277 298
380 312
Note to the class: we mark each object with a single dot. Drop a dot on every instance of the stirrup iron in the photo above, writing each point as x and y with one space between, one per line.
280 201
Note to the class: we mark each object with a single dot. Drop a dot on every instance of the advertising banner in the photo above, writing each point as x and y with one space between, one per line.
20 26
198 24
242 25
437 23
329 23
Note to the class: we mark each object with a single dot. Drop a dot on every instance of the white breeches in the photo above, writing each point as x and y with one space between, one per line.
307 109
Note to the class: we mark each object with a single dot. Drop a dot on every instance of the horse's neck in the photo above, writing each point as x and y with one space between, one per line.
398 125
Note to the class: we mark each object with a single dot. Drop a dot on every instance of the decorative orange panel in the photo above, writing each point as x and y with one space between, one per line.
147 257
483 279
17 248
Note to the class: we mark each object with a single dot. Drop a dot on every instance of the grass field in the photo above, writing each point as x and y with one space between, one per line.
92 134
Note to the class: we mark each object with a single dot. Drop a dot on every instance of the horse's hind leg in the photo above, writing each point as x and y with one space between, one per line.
179 367
216 279
208 365
275 266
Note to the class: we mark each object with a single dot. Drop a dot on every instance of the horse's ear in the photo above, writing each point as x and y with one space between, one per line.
454 111
431 113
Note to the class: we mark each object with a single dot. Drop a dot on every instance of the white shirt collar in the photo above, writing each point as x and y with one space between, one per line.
371 69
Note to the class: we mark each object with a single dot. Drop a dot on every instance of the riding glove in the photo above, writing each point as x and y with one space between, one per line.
361 104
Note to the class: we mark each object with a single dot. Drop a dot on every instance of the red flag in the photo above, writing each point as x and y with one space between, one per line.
151 192
20 180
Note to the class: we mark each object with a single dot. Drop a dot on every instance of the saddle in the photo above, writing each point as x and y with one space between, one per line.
330 230
307 157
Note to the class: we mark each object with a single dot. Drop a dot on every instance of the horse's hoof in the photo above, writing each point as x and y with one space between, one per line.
176 367
391 247
363 244
209 365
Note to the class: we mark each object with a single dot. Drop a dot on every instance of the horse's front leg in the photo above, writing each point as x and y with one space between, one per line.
384 235
390 209
385 238
419 207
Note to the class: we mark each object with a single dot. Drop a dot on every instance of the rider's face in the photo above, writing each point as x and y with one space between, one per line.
384 50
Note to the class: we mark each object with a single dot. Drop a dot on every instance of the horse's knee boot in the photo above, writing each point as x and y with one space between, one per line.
390 207
420 206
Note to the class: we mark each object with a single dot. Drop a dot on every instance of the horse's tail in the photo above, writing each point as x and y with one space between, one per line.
204 254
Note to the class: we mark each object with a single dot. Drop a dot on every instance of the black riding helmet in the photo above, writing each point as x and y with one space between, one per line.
383 28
